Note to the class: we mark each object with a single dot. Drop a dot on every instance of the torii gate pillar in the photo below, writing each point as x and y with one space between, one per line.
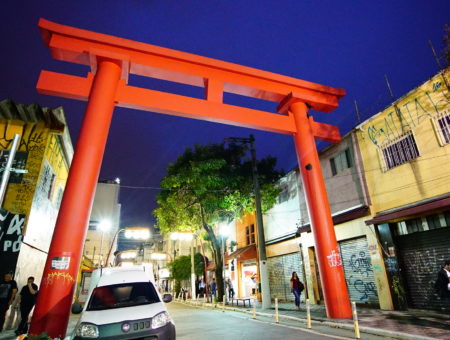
51 315
330 266
112 60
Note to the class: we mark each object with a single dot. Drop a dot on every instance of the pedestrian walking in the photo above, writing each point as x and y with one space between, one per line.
296 287
8 291
28 295
201 286
213 287
230 288
442 284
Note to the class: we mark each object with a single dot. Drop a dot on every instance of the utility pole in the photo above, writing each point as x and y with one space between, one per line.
8 168
263 270
193 292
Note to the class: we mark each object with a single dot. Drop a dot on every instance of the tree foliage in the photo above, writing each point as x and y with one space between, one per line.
210 184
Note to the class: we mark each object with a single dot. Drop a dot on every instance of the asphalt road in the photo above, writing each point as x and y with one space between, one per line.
206 324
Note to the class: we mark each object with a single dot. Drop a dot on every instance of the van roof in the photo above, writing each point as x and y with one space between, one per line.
116 275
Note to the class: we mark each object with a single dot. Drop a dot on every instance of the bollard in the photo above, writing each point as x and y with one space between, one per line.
355 321
276 311
254 309
223 303
308 315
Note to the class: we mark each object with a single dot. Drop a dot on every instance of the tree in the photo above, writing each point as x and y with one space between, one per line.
210 184
180 269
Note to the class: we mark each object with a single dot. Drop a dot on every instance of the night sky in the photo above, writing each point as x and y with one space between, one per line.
350 45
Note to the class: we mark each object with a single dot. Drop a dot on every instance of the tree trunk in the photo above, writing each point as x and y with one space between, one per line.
218 258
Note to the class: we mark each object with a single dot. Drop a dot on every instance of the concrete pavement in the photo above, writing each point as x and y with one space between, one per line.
411 324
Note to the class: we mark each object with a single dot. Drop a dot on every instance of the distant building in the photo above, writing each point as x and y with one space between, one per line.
104 223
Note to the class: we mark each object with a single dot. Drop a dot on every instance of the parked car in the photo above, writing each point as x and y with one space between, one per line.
123 303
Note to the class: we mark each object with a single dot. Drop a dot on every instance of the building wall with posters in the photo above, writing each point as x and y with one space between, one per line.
406 155
45 152
290 242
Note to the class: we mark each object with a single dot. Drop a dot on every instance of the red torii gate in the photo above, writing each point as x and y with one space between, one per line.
111 60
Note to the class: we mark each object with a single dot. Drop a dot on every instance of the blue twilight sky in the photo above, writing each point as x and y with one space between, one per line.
346 44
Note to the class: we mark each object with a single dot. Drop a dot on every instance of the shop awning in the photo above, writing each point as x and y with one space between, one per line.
416 209
244 253
211 265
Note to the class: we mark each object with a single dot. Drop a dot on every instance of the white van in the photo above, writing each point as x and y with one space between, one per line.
123 303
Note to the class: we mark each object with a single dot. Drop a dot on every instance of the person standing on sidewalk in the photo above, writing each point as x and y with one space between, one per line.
8 290
230 288
442 284
296 288
28 296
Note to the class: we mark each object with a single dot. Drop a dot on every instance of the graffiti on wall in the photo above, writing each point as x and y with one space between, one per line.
361 264
11 234
409 113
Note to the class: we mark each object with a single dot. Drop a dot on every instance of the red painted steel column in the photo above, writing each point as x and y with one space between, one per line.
335 291
53 306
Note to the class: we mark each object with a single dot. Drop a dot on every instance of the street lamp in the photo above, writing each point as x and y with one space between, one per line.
104 225
224 231
187 236
137 233
263 270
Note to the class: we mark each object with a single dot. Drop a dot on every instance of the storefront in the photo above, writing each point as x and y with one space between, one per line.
416 241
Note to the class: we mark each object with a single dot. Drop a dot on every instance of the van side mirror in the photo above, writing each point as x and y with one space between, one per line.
77 308
167 298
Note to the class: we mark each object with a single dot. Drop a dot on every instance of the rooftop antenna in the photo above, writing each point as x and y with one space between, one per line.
357 112
397 110
438 62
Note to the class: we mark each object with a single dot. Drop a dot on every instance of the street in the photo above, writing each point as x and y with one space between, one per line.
194 323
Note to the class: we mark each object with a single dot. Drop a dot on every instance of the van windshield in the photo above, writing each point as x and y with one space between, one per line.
123 295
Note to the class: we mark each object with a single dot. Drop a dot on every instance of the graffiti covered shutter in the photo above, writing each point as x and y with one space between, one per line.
422 255
358 271
280 272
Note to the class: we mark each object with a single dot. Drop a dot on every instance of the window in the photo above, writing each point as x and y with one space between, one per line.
250 234
123 295
400 151
47 181
443 127
93 225
433 221
341 162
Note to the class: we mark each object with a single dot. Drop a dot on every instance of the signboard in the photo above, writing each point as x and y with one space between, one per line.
19 162
11 234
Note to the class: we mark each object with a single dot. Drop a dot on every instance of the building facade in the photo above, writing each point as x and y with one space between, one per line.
32 198
406 155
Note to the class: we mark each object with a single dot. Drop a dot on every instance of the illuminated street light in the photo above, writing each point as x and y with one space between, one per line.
137 233
159 256
126 255
182 236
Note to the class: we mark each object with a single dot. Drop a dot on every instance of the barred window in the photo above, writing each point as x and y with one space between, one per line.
400 151
443 125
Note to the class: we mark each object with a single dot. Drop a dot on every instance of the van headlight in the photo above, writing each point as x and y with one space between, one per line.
87 330
160 320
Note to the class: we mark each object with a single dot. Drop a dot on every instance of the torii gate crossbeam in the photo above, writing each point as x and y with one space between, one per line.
111 60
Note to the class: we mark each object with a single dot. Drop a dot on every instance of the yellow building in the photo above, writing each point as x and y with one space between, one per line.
406 158
45 152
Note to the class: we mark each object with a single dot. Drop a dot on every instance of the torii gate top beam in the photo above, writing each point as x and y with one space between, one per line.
85 47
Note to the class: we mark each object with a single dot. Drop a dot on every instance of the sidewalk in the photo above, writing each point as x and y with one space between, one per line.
410 324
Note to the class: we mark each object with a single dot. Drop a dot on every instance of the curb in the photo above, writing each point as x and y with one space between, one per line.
315 320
